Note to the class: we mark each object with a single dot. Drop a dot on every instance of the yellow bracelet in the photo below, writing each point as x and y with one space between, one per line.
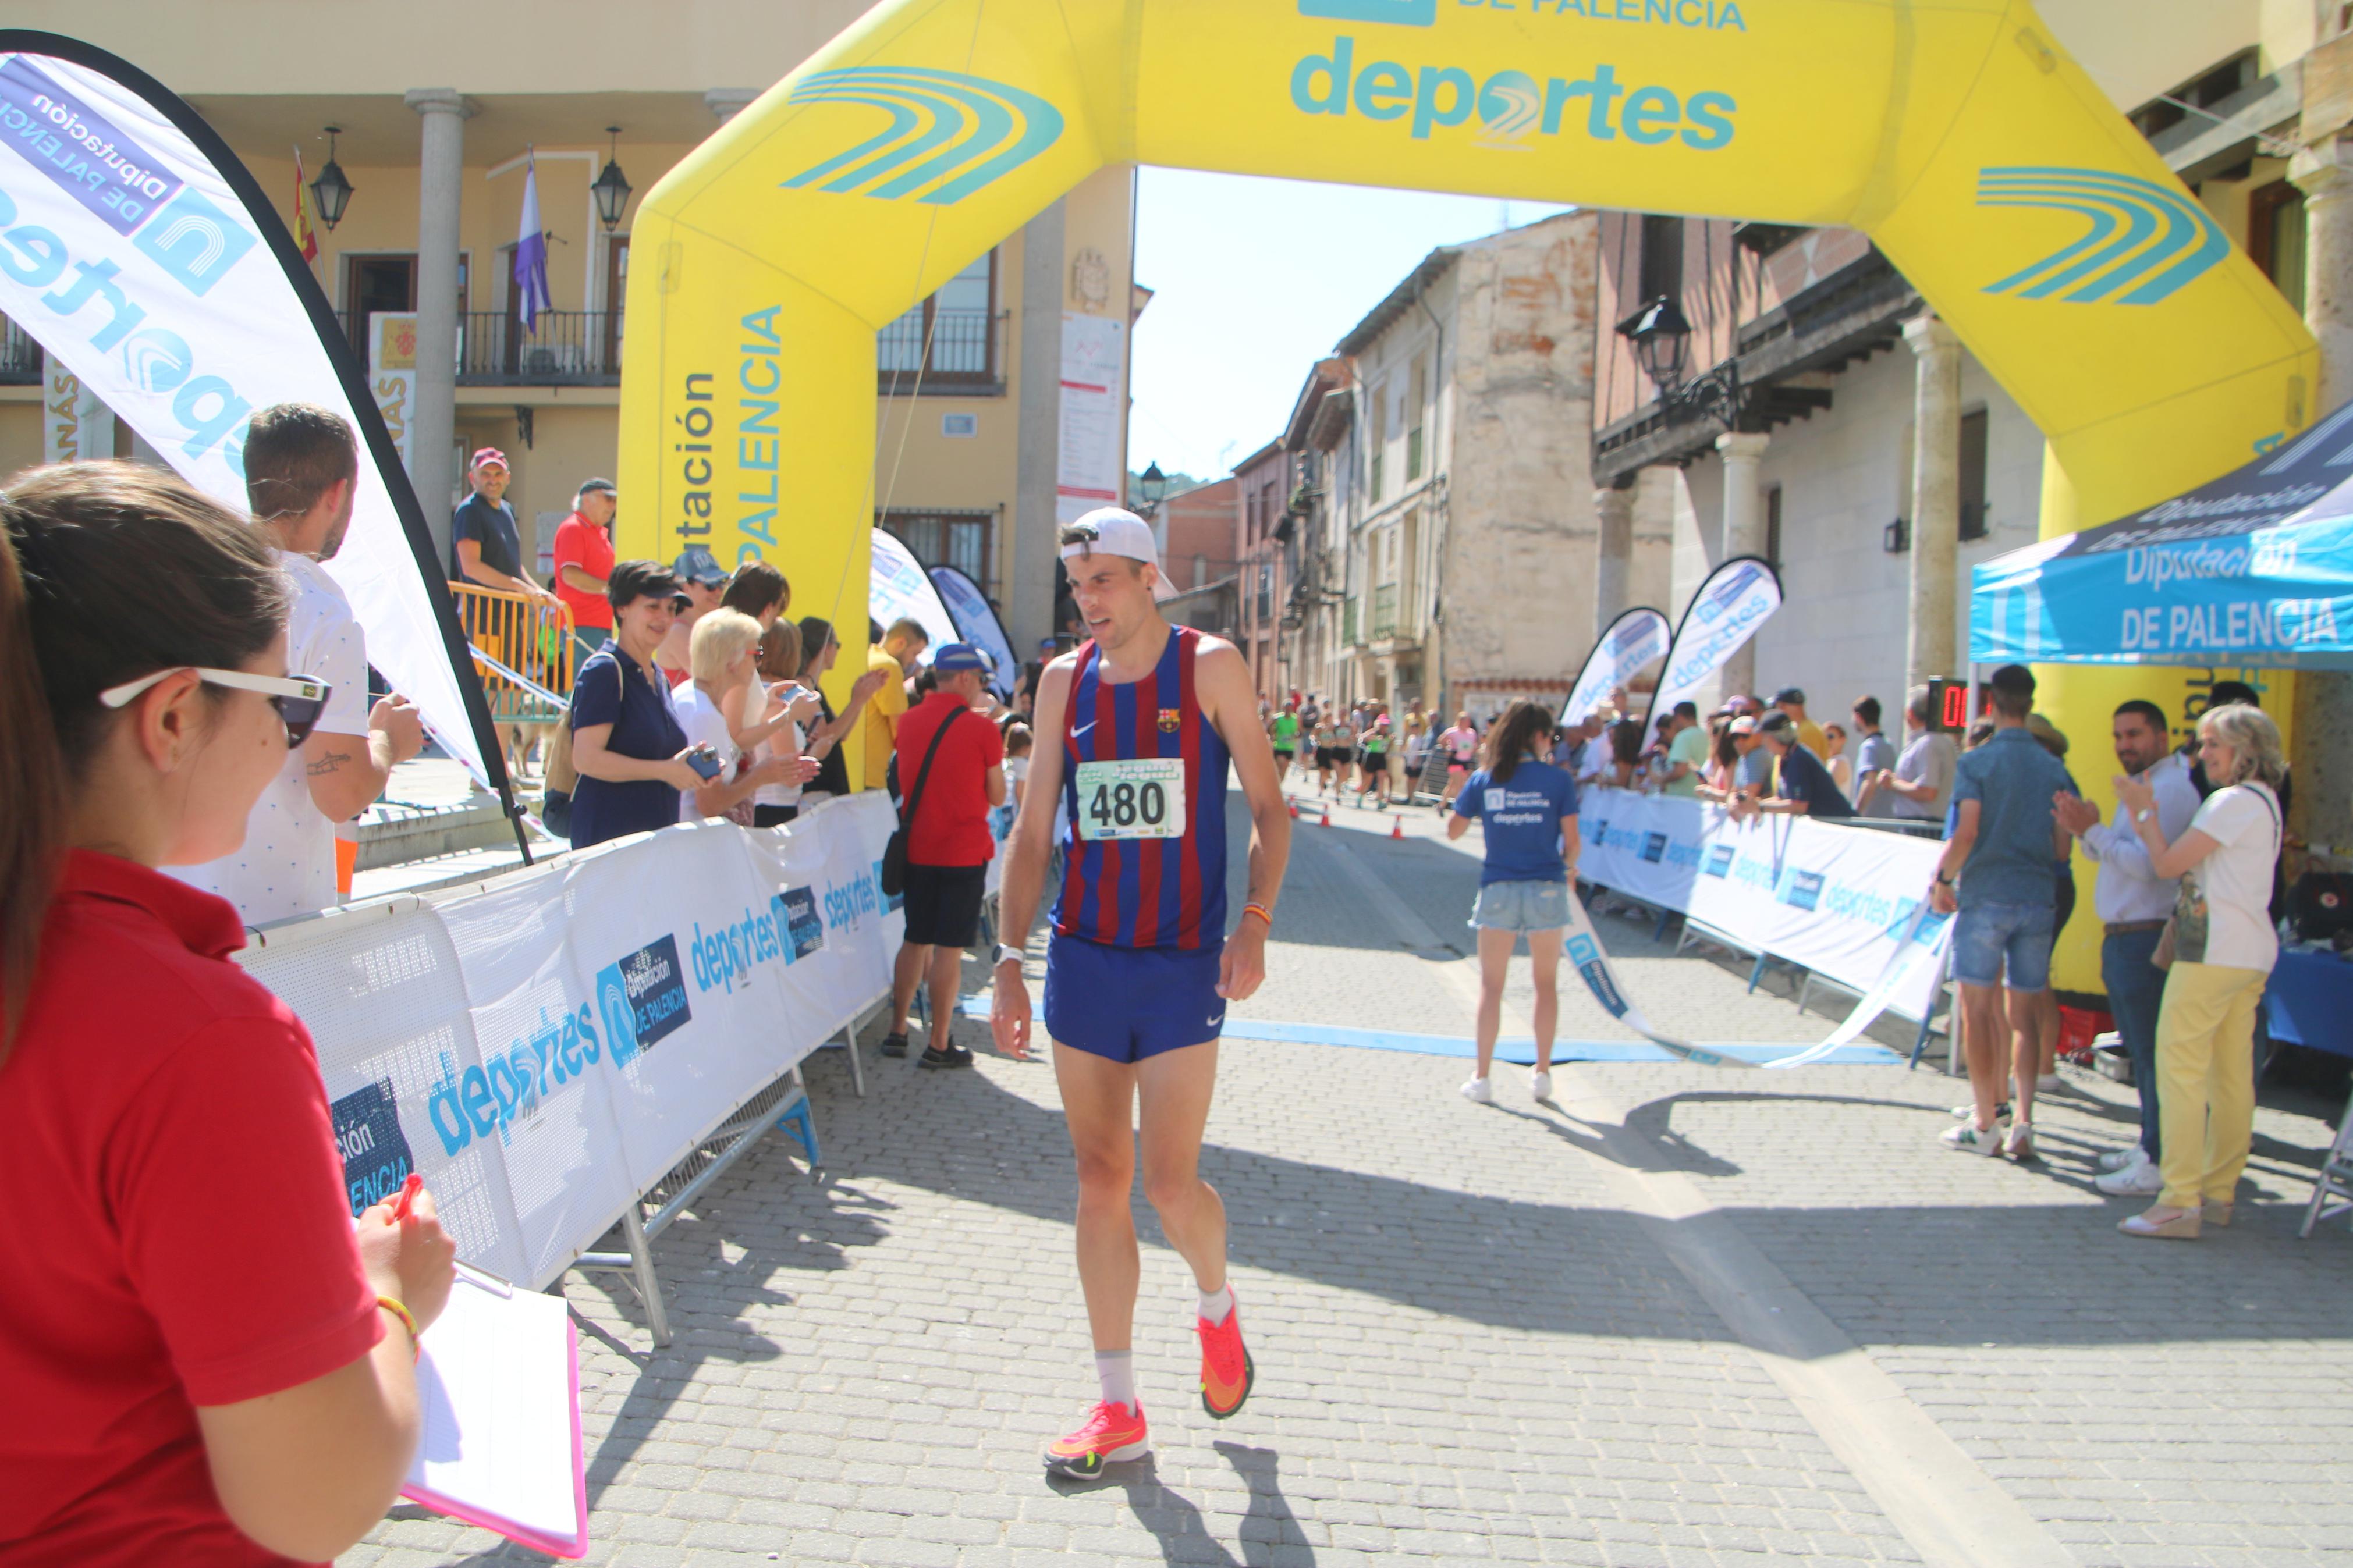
1262 912
407 1321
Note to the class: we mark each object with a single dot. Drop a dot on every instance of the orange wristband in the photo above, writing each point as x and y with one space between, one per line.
407 1321
1262 912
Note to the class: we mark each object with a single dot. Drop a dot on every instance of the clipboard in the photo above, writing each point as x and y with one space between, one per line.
497 1381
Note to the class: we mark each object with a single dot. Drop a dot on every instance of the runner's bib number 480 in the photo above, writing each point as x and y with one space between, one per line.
1140 798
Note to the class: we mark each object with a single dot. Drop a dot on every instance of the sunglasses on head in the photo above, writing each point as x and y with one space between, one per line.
297 698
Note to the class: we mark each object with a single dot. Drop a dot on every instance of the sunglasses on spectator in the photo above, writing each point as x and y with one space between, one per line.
297 698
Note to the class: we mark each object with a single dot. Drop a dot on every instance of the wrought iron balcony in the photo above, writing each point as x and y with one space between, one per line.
568 348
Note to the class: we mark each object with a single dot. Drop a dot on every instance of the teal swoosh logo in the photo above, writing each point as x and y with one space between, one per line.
949 135
2145 242
1404 13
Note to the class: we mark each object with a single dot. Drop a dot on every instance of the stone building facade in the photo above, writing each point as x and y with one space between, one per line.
1447 485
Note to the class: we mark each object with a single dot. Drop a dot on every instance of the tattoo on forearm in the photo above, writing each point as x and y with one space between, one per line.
331 762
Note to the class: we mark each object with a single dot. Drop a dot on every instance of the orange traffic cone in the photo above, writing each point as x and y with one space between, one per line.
1396 828
1327 816
1295 807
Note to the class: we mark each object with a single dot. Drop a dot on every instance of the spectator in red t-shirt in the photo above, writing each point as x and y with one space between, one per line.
948 843
202 1362
583 556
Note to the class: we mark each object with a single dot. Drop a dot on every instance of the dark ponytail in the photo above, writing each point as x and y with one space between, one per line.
108 572
1513 736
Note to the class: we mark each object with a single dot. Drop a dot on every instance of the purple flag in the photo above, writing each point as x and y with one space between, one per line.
531 255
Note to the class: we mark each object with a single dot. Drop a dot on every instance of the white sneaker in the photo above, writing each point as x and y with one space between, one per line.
2122 1159
1970 1139
2135 1181
2049 1083
2018 1143
1540 1084
1478 1092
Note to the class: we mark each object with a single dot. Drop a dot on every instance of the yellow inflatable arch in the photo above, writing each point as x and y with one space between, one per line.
1957 134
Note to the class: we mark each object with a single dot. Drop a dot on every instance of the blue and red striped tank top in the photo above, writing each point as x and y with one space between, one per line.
1142 891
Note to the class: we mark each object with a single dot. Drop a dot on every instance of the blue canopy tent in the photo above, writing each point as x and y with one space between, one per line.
2253 569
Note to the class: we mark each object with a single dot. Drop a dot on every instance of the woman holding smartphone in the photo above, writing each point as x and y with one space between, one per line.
626 743
203 1361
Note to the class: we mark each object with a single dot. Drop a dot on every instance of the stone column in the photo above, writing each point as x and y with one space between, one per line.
727 102
1930 650
440 174
2323 751
1613 509
1744 534
1037 447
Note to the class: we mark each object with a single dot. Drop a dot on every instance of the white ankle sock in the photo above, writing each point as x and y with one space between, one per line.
1216 1304
1115 1369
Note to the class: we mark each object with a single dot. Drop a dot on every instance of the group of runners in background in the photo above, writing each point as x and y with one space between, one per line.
1362 750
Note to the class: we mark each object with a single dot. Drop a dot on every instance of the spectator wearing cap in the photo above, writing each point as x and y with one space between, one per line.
625 741
949 845
583 557
484 547
1803 782
893 656
702 588
1790 700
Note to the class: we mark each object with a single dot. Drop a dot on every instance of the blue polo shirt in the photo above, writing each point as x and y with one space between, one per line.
1803 777
1522 820
2012 779
612 688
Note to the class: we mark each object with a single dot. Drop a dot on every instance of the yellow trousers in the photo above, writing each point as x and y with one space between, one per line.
2206 1079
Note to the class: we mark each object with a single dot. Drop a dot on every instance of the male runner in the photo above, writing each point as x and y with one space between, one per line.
1285 730
1142 720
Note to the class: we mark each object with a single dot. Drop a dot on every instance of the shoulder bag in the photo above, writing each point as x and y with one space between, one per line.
894 854
2184 937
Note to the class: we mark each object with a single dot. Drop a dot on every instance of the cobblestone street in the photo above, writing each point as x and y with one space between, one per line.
1678 1316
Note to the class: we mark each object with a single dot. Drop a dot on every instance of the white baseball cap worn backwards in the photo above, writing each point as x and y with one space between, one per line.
1115 531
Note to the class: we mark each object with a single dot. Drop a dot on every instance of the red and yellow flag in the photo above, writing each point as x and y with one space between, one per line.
305 237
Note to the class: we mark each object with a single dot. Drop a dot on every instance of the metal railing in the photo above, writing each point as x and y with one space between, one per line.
526 637
1385 610
20 356
963 346
567 348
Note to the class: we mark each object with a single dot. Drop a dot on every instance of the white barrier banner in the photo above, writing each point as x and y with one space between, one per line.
1737 598
543 1048
1632 641
1837 901
152 268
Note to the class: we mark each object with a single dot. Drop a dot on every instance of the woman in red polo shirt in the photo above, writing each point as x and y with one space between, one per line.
202 1360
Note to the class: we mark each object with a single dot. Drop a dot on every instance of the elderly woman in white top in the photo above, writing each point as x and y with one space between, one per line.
2224 947
720 656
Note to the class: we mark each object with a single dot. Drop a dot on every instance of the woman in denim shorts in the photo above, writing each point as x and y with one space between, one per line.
1527 808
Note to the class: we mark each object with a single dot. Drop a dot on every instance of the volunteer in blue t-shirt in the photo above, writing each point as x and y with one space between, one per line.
1528 810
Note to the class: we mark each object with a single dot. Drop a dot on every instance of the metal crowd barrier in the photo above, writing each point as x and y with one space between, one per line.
527 649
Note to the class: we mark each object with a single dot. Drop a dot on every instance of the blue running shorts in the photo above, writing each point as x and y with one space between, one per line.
1130 1003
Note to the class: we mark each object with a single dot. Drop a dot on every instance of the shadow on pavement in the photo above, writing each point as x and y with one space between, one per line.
1176 1522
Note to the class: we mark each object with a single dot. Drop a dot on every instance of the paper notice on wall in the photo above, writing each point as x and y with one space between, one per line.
1094 380
392 371
76 427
